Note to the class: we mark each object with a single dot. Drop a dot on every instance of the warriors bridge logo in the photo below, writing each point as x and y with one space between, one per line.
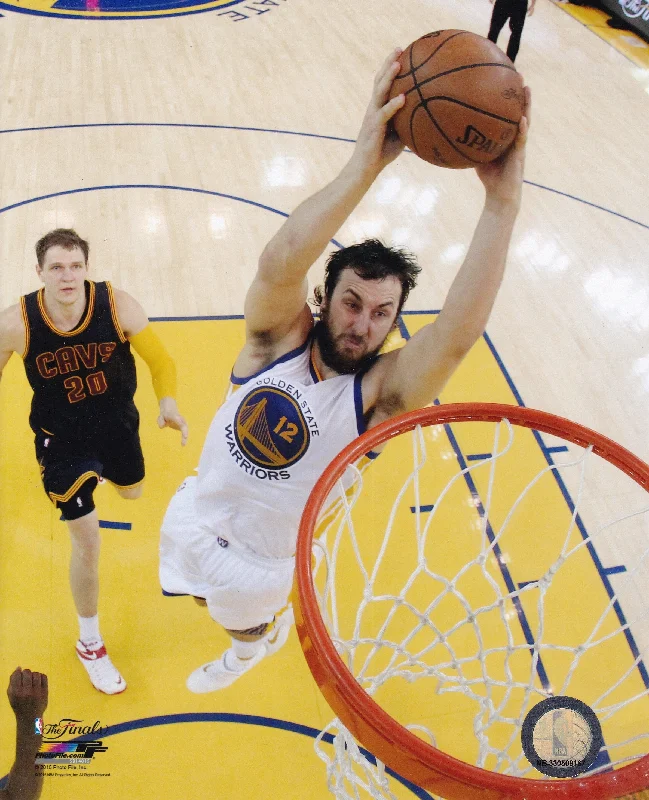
234 10
270 427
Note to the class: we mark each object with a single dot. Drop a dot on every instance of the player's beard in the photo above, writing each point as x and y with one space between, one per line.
331 353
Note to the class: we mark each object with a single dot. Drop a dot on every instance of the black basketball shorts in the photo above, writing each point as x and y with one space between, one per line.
70 469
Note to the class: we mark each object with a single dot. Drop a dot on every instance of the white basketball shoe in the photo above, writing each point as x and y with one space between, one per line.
101 670
225 670
217 674
280 631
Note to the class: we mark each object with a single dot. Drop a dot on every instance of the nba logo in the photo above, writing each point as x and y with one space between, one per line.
38 726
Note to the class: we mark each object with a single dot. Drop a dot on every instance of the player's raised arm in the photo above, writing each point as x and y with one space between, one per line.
417 373
277 296
148 346
28 695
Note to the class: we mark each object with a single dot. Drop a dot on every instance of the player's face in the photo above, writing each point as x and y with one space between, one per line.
357 320
63 274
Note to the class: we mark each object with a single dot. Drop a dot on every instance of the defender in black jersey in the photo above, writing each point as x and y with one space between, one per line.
515 11
75 339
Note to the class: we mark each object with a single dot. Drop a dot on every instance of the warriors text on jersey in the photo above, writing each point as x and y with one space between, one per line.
267 446
83 379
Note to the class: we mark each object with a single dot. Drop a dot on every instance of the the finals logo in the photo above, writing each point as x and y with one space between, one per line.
61 751
124 9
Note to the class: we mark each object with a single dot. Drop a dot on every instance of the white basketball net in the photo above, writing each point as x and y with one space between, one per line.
417 633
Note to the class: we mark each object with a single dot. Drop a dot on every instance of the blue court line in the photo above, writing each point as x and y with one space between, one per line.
104 523
150 186
561 448
422 509
283 132
504 569
94 16
220 317
179 125
479 457
614 570
547 452
498 553
602 571
239 719
122 526
579 523
588 203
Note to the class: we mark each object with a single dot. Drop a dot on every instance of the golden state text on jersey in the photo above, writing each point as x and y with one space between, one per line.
272 429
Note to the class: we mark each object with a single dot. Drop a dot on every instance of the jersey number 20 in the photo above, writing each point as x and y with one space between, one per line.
95 383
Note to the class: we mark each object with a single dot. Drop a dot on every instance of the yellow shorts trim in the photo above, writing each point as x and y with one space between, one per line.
63 498
130 486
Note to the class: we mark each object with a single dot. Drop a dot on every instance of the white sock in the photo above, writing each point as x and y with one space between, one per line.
89 630
243 652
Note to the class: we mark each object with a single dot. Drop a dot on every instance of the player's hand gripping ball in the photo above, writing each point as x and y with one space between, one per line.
464 99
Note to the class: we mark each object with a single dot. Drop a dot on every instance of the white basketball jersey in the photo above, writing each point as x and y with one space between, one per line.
266 447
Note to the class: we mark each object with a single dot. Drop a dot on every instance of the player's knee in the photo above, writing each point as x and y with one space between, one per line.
85 544
81 503
250 634
130 492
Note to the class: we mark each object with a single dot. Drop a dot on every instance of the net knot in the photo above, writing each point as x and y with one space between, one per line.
545 581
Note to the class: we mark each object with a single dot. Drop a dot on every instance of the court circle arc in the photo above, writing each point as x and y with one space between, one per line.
241 719
117 9
256 130
108 187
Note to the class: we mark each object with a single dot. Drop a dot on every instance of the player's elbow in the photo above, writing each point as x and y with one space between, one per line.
270 266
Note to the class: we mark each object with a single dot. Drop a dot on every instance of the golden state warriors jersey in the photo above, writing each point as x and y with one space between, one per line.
267 446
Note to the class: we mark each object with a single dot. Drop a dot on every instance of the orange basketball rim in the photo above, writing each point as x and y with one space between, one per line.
394 745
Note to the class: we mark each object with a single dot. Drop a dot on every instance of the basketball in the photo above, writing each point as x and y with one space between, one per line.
464 99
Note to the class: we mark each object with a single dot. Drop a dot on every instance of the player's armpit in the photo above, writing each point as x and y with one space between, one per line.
148 346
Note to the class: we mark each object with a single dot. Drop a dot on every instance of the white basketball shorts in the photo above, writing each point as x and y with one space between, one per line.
242 590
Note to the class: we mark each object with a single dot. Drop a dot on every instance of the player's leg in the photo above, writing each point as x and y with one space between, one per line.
517 22
245 590
243 595
120 452
499 17
130 492
70 474
84 583
84 564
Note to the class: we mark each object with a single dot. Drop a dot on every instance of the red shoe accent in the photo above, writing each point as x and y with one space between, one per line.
92 655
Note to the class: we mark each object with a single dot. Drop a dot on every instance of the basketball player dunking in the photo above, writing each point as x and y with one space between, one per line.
74 336
306 391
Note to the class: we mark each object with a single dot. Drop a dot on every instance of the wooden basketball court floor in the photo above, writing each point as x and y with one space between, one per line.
177 145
